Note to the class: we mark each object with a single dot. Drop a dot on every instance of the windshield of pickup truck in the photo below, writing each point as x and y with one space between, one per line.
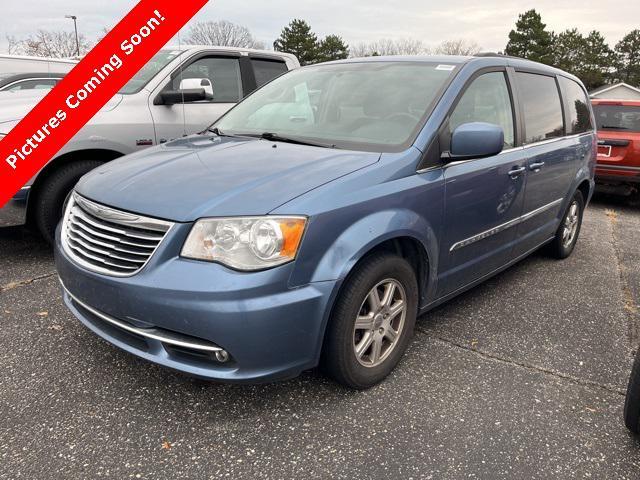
617 117
150 70
374 106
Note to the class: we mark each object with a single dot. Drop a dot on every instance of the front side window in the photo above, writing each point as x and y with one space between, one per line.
487 100
617 117
222 72
267 70
541 107
374 106
579 115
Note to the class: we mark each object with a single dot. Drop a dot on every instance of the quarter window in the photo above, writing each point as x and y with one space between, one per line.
267 70
541 107
486 100
224 74
579 115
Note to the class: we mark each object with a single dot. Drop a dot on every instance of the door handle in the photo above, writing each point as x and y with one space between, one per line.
535 167
515 172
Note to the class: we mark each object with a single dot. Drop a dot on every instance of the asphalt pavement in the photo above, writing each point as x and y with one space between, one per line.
522 377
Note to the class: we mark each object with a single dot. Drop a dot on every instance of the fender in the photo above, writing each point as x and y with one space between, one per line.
370 231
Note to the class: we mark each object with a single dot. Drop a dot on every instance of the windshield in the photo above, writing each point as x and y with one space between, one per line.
375 106
150 70
617 117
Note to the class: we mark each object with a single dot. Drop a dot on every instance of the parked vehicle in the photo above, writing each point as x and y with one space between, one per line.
158 104
314 221
618 124
11 82
26 64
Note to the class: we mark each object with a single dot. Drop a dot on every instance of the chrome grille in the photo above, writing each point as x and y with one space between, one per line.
109 241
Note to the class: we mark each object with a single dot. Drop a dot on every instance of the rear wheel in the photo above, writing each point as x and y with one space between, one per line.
50 197
372 322
567 234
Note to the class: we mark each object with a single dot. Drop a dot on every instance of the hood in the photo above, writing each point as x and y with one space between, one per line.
14 105
208 176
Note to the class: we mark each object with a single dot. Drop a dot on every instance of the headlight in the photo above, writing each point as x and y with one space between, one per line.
245 243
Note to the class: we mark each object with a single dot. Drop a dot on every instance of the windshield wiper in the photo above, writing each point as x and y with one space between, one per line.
274 137
218 132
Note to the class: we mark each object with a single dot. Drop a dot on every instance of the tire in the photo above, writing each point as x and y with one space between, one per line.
50 197
560 247
339 359
632 401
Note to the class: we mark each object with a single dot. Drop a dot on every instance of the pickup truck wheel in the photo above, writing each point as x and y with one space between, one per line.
372 321
50 197
567 234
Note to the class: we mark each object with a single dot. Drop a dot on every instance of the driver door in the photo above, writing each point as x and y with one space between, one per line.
224 75
483 197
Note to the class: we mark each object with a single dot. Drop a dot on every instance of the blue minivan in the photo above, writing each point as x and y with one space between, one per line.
316 220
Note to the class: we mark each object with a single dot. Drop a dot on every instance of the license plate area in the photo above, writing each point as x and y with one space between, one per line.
604 150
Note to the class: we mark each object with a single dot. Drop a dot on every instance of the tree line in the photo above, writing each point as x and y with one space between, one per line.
589 56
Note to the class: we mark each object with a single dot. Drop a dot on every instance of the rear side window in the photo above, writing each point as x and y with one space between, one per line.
579 116
541 107
40 84
487 100
267 70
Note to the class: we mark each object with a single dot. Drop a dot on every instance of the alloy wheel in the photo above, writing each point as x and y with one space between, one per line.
379 324
570 226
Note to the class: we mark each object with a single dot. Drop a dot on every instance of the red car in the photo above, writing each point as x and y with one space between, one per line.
618 124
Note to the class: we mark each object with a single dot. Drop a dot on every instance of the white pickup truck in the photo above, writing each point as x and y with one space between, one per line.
181 91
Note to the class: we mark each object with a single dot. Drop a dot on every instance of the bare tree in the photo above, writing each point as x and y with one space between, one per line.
387 46
458 47
46 43
222 33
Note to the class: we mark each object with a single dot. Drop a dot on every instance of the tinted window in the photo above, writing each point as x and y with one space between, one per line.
617 117
541 107
266 70
486 100
224 74
579 119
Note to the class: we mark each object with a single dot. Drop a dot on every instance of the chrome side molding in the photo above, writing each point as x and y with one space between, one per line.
504 226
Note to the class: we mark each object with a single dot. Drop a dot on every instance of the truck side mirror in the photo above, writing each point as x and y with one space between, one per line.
191 90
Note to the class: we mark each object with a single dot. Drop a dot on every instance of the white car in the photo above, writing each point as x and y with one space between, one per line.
181 91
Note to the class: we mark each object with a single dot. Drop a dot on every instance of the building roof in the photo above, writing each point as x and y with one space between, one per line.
606 88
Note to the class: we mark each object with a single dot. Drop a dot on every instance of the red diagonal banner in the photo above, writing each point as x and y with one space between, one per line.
87 88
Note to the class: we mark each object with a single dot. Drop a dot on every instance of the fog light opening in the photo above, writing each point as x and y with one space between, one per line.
222 356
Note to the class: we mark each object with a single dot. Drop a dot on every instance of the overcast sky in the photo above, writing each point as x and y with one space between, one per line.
355 20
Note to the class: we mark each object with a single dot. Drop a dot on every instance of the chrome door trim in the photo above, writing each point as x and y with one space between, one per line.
504 226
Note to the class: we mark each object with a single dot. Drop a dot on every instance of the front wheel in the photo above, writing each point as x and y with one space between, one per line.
50 198
372 322
567 234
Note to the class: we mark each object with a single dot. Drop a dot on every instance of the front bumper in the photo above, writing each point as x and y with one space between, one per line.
269 330
15 212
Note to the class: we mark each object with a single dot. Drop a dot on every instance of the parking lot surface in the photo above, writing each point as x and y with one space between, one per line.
522 377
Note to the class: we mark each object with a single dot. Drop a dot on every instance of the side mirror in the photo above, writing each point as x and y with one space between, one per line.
475 140
191 83
191 90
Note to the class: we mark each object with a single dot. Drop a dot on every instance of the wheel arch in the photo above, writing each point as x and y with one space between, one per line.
105 155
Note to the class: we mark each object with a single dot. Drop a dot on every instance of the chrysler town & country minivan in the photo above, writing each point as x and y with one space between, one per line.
319 217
